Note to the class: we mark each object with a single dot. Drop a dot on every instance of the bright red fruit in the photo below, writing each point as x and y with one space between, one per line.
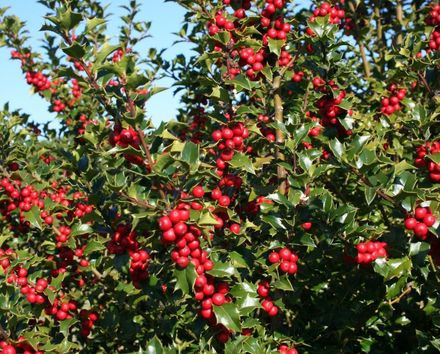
274 257
198 192
218 299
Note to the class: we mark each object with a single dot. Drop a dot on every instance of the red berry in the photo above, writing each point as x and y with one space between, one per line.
429 220
8 349
198 192
410 223
169 236
285 266
165 223
285 253
420 213
273 311
262 290
421 230
174 216
267 305
180 228
224 201
274 257
182 262
218 299
307 226
235 228
293 268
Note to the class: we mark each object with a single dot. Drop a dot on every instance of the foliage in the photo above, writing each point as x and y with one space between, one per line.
291 205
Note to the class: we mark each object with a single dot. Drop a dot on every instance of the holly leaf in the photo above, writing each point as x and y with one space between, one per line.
228 315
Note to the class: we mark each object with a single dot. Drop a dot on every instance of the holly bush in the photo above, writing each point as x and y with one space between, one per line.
291 205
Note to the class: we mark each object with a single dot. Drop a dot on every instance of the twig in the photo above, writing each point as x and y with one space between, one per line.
146 148
306 100
97 273
3 333
137 201
425 83
382 194
361 45
132 109
434 268
397 299
399 15
100 96
289 64
279 117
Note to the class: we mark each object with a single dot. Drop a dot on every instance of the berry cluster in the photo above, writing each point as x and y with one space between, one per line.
187 245
284 349
421 222
83 123
125 137
297 76
434 40
267 304
24 57
185 237
433 18
267 132
336 15
139 267
421 161
5 256
391 104
229 139
47 158
35 294
272 6
23 198
76 89
255 60
21 347
58 106
285 58
62 310
88 321
38 80
124 239
286 259
196 131
370 251
279 30
209 294
117 55
221 23
328 106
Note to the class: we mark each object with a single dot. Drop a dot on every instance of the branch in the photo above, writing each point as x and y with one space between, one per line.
132 109
379 192
96 273
146 148
3 333
361 45
289 64
425 83
399 16
101 96
397 299
137 201
279 117
434 268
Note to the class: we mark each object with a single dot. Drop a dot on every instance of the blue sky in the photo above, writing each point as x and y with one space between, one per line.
166 18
